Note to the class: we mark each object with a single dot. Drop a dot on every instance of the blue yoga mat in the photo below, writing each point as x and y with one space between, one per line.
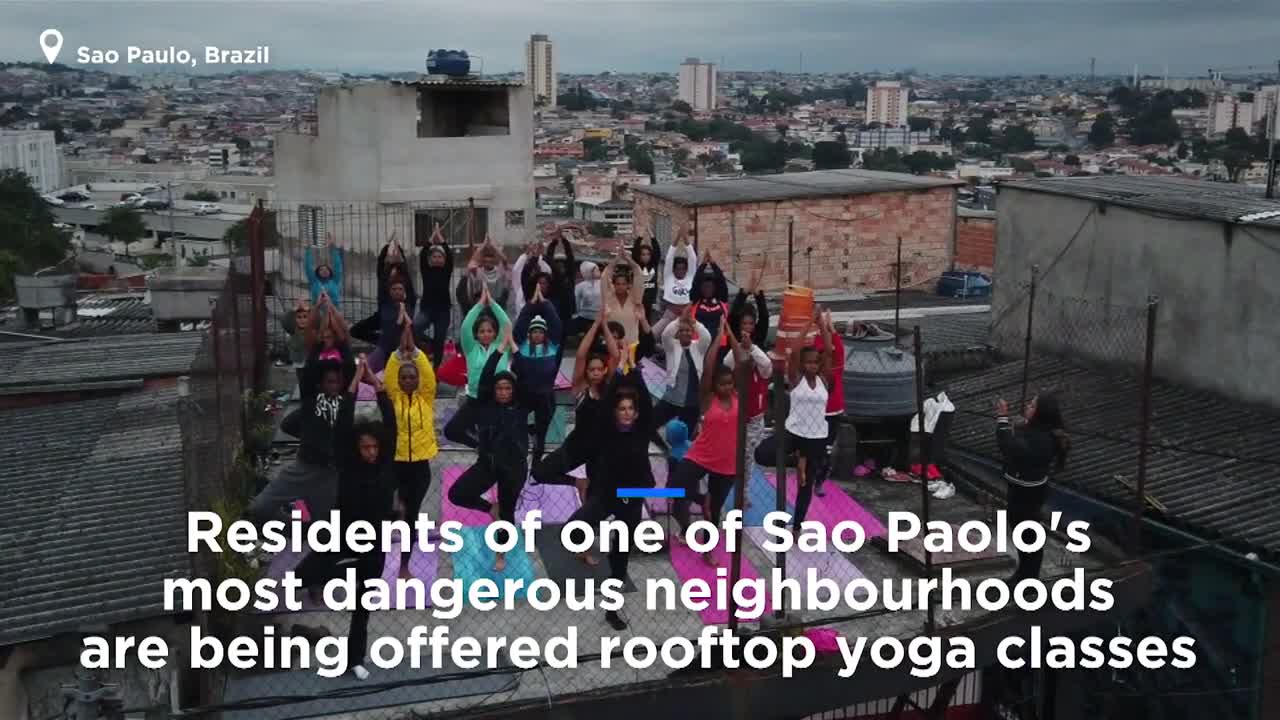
475 561
763 498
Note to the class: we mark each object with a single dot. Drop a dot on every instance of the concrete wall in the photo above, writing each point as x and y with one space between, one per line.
1216 283
368 150
854 238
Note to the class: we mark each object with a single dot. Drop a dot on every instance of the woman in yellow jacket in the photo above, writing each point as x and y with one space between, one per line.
411 384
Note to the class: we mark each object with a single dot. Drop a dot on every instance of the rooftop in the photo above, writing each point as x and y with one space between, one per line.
790 186
91 512
32 366
1221 202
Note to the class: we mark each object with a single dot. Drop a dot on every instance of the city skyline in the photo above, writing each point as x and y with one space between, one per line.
981 37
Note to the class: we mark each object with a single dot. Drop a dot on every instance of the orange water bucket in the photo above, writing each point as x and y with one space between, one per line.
797 309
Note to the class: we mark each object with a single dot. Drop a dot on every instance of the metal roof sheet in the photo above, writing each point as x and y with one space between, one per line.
790 186
1221 202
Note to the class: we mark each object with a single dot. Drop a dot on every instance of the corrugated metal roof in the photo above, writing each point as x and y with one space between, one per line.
91 513
789 186
97 359
1211 460
1222 202
469 81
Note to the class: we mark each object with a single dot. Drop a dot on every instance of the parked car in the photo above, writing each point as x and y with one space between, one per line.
130 196
53 200
207 209
155 204
148 189
74 196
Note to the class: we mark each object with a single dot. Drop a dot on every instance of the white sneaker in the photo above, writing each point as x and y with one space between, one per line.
360 672
945 491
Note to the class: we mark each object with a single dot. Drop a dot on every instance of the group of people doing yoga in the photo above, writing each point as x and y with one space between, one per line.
674 311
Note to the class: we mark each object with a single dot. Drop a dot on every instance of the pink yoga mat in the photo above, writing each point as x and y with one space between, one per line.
423 566
563 382
655 378
466 516
832 564
689 565
836 507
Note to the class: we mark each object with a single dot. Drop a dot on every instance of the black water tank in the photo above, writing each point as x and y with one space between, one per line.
879 377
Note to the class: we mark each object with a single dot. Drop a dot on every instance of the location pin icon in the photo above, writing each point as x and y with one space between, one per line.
51 43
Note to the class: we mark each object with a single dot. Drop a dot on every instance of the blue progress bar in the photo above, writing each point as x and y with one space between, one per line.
656 492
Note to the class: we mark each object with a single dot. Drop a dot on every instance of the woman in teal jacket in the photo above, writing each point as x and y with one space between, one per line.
327 276
479 335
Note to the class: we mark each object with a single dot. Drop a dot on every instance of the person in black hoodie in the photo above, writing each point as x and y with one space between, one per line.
434 313
393 318
564 276
391 265
496 426
760 330
312 477
1031 452
622 445
536 363
649 257
363 454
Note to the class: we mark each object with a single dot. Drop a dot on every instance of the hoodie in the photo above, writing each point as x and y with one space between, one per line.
498 433
366 491
476 354
537 367
414 413
322 419
436 281
331 286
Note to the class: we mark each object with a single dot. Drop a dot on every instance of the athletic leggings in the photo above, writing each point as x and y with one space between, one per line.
600 506
687 475
1026 503
413 480
468 491
317 569
543 406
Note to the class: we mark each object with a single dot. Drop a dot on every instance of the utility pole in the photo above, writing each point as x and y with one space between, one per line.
1272 111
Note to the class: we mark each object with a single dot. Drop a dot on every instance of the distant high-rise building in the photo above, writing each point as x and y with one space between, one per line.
540 69
887 103
1228 111
698 84
35 153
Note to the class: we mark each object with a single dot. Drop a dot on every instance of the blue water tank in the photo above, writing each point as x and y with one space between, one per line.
964 284
454 63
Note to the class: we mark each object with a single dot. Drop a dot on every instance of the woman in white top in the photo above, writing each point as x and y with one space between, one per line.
806 424
586 295
677 283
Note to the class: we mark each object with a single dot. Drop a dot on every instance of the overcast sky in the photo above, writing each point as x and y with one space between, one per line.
976 36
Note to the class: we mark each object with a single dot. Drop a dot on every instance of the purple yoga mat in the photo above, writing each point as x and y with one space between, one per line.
836 507
655 378
423 565
689 565
831 564
466 516
557 502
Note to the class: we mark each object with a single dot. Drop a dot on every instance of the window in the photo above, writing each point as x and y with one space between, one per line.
455 225
311 224
233 194
515 218
463 112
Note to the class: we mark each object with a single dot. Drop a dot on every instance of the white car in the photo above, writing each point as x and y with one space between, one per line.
206 209
57 202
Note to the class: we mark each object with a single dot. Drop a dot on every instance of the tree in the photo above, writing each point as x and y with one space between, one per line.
1103 131
887 160
1022 165
28 239
682 107
1236 161
1017 138
680 156
831 156
124 224
979 131
1071 160
1154 124
1237 139
59 135
595 150
202 196
1183 151
237 236
242 144
919 124
198 261
82 125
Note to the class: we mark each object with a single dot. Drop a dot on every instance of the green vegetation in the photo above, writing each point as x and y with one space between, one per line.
917 163
1103 131
202 196
28 239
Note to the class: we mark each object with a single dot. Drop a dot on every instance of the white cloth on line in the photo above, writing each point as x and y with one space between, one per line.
933 409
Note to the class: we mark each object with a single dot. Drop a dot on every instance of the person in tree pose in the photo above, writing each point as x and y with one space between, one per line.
482 327
436 306
536 364
325 277
411 385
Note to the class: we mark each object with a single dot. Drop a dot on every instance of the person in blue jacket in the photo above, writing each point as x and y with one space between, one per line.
327 276
538 334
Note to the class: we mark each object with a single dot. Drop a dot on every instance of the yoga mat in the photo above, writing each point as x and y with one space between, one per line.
422 565
689 565
558 428
557 502
475 561
914 549
831 564
563 565
563 381
306 683
466 516
655 378
836 507
763 497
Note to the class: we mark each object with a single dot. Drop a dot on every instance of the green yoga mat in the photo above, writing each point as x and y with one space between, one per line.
475 561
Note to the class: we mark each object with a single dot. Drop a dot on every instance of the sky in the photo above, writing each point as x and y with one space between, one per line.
937 36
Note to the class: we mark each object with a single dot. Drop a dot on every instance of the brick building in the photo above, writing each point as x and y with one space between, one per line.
975 240
844 224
